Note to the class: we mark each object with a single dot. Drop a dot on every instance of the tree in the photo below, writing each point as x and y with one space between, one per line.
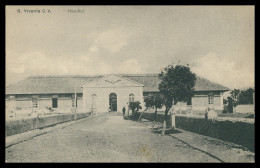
225 101
149 101
156 101
230 104
246 96
235 97
135 106
238 96
177 84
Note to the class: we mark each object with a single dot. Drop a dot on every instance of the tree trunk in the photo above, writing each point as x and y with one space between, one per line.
165 119
173 119
140 116
155 117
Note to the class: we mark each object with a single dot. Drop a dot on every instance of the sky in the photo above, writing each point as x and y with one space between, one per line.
216 41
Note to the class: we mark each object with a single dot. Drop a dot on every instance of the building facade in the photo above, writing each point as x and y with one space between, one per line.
102 93
111 93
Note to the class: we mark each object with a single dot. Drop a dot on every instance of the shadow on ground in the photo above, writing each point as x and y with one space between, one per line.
158 130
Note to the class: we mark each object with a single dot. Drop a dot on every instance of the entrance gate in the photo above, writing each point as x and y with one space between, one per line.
113 101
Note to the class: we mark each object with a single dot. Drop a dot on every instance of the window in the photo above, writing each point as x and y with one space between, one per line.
12 97
210 99
54 102
131 98
35 102
189 101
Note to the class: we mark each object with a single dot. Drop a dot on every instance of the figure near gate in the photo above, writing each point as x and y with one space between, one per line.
123 111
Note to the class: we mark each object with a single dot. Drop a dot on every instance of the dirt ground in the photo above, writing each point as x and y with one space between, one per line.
110 138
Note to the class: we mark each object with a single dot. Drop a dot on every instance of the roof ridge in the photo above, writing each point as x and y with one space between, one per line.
64 76
119 76
147 74
79 76
64 83
211 81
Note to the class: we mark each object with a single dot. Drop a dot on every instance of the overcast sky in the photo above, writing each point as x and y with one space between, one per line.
216 41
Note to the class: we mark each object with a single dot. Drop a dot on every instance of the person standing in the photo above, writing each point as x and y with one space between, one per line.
123 111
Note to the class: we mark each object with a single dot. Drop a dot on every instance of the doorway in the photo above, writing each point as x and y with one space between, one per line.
54 102
113 101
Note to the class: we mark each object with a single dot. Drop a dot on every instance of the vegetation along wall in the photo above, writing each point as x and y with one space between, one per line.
239 132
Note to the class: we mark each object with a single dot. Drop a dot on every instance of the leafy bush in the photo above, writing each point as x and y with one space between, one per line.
235 131
225 109
135 106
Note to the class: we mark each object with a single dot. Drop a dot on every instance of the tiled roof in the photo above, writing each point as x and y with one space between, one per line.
203 84
65 84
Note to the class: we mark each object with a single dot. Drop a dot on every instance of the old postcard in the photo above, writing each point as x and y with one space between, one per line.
130 84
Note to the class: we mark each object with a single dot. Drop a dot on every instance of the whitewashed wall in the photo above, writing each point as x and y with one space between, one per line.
102 99
64 104
44 103
245 108
200 102
80 105
24 104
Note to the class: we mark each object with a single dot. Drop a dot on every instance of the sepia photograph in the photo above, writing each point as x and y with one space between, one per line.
130 84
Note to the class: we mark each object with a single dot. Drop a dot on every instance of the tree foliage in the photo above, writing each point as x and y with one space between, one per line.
177 84
244 96
156 101
135 106
235 96
225 101
230 104
149 101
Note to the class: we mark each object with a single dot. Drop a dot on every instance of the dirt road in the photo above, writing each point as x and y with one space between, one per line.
110 138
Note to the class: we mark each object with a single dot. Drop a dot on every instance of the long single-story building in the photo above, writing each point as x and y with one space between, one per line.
102 93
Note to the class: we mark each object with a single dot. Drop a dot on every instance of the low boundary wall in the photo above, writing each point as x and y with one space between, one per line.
235 131
13 127
160 118
238 132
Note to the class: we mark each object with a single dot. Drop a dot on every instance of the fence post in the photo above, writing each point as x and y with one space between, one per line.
173 120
